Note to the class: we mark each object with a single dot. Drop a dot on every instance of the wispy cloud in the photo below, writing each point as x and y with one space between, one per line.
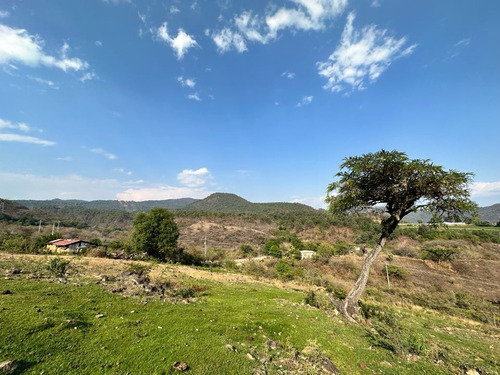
287 74
116 2
305 101
4 13
250 27
375 4
186 82
180 44
17 46
29 186
5 124
459 47
64 158
194 96
8 137
174 9
87 77
103 152
123 171
362 56
98 43
45 82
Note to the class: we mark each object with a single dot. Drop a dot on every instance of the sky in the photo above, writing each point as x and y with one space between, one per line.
163 99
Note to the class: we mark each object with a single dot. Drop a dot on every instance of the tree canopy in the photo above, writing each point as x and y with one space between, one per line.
401 185
156 234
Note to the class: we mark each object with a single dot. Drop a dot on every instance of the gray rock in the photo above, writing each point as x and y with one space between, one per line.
7 366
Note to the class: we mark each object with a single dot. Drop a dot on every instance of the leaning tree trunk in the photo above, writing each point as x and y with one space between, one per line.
349 307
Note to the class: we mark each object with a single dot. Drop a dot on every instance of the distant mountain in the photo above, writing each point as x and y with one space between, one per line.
129 206
225 202
490 213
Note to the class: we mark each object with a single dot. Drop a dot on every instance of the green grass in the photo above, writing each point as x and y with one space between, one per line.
51 327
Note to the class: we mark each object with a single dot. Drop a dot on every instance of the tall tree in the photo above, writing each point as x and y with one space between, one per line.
156 234
401 185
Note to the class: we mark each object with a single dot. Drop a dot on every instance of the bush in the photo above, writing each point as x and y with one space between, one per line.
274 251
58 266
141 270
396 272
310 299
440 253
246 250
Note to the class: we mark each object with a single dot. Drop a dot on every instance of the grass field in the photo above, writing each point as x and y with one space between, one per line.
54 326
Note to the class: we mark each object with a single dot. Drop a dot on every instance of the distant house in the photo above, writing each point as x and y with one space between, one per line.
73 245
306 254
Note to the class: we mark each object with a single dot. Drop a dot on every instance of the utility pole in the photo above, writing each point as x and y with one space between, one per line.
58 226
53 227
205 245
40 226
387 274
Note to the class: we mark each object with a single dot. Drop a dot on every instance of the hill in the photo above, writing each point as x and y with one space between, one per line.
490 213
129 206
225 202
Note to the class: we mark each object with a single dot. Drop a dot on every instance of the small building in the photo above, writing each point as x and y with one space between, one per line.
306 254
72 245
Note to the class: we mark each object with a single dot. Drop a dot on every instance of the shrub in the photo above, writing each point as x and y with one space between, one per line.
141 270
440 253
274 251
246 250
310 299
396 272
342 247
58 266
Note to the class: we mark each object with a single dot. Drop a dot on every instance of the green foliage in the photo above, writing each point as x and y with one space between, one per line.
246 250
440 253
274 251
342 247
58 266
396 272
288 271
310 299
155 233
293 253
401 184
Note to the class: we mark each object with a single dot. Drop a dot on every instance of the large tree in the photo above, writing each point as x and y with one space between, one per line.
400 185
156 234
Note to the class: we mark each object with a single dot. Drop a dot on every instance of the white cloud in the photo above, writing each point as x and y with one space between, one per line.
122 171
316 202
303 16
87 77
375 4
17 46
362 56
45 82
98 43
194 178
8 137
481 189
29 186
194 96
305 101
189 82
174 9
5 124
160 193
64 158
106 154
180 44
287 74
226 40
4 13
116 2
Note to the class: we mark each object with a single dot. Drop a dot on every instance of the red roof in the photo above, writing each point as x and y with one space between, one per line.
65 242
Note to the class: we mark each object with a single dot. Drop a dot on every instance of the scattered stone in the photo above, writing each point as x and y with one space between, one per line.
7 366
472 372
250 357
180 366
329 367
273 344
230 347
362 365
141 335
99 316
5 292
386 364
308 351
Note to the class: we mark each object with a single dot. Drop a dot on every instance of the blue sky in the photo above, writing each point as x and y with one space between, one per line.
139 100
